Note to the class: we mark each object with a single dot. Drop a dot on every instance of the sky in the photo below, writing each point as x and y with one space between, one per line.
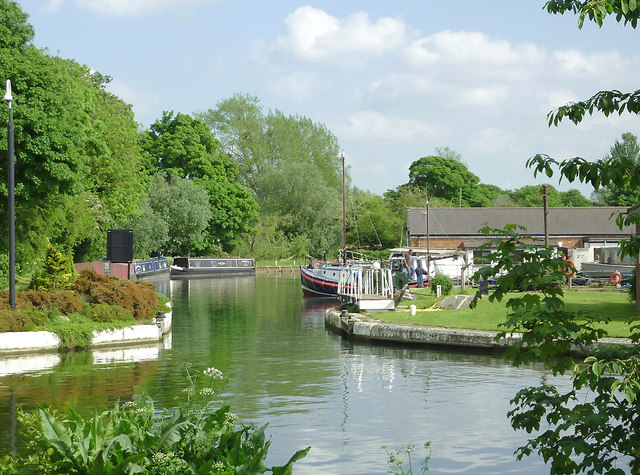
393 80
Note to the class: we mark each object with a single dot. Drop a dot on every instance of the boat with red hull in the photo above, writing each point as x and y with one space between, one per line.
320 279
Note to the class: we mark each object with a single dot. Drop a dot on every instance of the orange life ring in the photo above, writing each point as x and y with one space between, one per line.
572 267
615 278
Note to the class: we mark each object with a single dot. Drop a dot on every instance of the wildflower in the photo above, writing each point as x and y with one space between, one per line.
213 373
207 391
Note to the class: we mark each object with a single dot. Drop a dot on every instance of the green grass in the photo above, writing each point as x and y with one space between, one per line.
489 315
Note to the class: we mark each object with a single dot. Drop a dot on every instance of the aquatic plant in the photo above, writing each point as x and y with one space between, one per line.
397 462
135 437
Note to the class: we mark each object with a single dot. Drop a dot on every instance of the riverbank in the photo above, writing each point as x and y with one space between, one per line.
277 271
16 343
358 326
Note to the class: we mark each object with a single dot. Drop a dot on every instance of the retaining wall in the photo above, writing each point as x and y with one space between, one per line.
30 342
359 326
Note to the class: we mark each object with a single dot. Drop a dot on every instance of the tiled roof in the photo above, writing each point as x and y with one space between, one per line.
461 222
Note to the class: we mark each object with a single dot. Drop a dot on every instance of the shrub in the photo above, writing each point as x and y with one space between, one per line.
55 272
62 300
444 281
104 312
140 298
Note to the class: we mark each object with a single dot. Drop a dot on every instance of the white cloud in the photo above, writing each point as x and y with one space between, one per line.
493 141
126 7
377 126
469 49
314 35
298 86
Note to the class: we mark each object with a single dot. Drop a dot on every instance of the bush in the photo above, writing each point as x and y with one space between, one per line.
444 281
632 287
55 272
62 300
140 298
25 320
104 312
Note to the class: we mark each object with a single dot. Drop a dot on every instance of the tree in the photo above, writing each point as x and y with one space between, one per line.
15 31
581 434
574 198
56 272
584 435
530 196
179 144
372 221
150 229
238 122
77 165
447 178
293 167
185 208
623 194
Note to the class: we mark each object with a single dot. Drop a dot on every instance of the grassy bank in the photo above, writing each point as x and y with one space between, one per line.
488 316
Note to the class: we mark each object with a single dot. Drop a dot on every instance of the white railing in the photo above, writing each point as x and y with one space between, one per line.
356 282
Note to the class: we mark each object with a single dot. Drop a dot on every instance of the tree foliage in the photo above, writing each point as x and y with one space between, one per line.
623 194
185 208
76 158
576 432
181 145
584 434
293 167
531 196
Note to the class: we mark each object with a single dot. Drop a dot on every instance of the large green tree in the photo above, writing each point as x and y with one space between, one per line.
238 122
622 194
180 144
184 207
584 435
293 166
373 221
531 196
444 176
76 160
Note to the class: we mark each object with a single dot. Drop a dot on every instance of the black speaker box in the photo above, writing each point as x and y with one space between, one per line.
120 245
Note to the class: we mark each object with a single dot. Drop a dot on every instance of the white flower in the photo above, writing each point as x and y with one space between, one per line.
213 373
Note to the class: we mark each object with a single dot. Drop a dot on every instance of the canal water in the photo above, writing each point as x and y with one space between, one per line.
346 400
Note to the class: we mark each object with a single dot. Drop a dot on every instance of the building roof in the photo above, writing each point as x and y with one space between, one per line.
595 222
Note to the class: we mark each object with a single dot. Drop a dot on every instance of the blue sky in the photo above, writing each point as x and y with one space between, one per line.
392 80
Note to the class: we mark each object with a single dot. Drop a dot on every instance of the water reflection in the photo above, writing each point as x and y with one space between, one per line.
346 399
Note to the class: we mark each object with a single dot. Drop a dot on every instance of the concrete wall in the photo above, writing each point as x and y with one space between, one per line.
29 342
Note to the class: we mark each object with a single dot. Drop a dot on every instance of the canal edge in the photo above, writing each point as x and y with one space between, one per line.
358 326
21 343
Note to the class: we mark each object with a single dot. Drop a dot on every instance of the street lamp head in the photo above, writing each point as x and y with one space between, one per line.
8 98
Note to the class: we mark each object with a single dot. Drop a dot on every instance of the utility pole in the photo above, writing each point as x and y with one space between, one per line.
543 192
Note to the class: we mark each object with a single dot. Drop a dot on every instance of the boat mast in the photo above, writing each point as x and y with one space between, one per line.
344 215
428 246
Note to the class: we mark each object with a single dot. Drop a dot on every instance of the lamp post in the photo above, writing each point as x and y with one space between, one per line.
8 98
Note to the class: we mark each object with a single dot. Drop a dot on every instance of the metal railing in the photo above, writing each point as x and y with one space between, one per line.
356 282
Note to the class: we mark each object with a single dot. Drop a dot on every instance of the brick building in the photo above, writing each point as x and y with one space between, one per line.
585 234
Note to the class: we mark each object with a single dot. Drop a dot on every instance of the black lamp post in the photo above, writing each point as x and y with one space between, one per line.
12 200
